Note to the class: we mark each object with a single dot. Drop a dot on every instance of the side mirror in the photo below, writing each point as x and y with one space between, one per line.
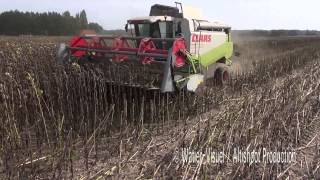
126 27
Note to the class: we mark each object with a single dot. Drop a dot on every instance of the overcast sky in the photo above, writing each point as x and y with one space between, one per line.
240 14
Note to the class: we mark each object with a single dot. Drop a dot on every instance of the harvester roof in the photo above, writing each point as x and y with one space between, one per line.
163 10
150 19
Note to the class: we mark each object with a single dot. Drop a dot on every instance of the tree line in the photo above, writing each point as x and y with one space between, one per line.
48 23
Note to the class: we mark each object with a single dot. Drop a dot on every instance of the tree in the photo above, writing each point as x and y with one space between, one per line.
95 26
66 14
50 23
83 20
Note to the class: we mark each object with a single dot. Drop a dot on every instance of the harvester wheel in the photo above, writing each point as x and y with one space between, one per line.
221 76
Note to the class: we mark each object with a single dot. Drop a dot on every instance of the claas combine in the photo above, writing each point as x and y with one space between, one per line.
171 49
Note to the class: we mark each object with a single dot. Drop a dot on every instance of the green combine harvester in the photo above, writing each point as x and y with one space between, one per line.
177 48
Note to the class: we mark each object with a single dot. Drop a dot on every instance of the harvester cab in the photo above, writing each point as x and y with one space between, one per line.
177 48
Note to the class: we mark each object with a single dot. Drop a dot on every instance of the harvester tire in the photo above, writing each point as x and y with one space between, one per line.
221 76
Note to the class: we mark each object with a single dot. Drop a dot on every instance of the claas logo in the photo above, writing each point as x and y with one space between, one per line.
201 38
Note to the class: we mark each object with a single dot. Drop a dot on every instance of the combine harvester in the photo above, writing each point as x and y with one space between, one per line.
170 50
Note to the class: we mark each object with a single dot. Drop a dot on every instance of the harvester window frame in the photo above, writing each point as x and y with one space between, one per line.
177 26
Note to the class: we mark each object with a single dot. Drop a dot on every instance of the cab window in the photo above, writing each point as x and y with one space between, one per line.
155 30
166 29
142 29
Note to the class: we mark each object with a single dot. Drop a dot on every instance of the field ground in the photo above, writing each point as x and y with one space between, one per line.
67 122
